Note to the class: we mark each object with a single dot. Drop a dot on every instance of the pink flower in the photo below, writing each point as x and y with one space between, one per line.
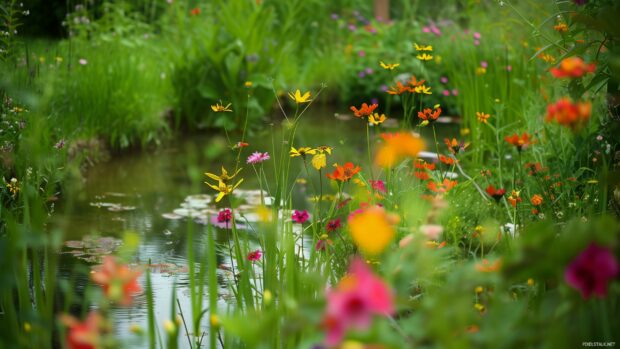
444 80
591 271
484 64
477 35
358 296
378 185
255 255
445 92
431 231
509 68
257 157
455 92
333 225
224 216
300 216
476 42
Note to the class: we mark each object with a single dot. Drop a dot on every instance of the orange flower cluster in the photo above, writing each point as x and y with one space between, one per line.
448 160
421 168
572 67
413 86
396 147
520 142
441 187
344 173
364 110
536 200
569 114
429 115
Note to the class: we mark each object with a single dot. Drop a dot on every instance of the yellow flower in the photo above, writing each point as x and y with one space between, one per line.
248 84
219 107
561 27
423 89
481 308
223 189
481 71
530 282
319 161
169 326
479 289
423 48
424 57
465 131
224 177
264 214
372 229
215 320
299 98
389 66
324 149
302 151
482 117
377 119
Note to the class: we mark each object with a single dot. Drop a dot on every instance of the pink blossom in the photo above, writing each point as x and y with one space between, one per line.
255 255
358 296
455 92
257 157
445 92
224 216
484 64
300 216
477 35
591 271
443 79
378 185
431 231
476 42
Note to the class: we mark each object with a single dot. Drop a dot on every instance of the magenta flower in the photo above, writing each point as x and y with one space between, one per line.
333 225
224 216
255 255
378 185
591 271
300 216
358 296
484 64
445 93
257 157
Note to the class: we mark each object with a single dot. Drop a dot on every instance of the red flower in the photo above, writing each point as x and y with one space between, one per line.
300 216
429 114
87 334
455 146
255 255
118 281
224 216
422 165
592 270
344 173
496 194
333 225
365 110
572 67
520 142
195 11
569 114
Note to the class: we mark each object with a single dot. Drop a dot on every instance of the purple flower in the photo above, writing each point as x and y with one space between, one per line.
591 271
255 255
426 29
334 16
257 157
476 42
300 216
369 71
378 185
484 64
352 27
361 74
383 88
374 101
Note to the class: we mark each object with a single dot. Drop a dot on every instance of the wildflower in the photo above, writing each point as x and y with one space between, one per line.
396 147
60 144
257 157
224 216
520 142
371 229
482 117
83 61
530 282
12 186
454 146
378 185
569 114
240 145
422 175
487 267
365 110
424 57
224 176
87 334
333 225
536 200
302 151
118 281
422 89
496 194
300 216
376 119
351 304
423 165
592 270
214 320
479 289
248 84
423 48
534 168
194 12
441 187
481 70
572 67
219 107
254 256
561 27
413 82
323 242
398 89
223 188
481 308
388 66
429 115
431 231
324 149
299 98
514 198
344 173
319 161
448 160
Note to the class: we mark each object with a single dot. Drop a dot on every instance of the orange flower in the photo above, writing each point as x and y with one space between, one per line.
372 229
423 165
487 267
442 187
195 11
413 82
398 89
482 117
365 110
118 281
344 173
454 146
396 147
569 114
521 142
536 200
429 115
87 334
447 160
561 28
514 198
572 67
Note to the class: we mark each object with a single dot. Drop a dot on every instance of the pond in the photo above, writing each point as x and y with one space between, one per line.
140 192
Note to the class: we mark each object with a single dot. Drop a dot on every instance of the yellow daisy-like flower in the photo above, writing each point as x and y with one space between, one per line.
423 89
482 117
299 98
219 107
372 230
223 189
423 48
424 57
389 66
376 119
324 149
224 177
302 151
319 161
